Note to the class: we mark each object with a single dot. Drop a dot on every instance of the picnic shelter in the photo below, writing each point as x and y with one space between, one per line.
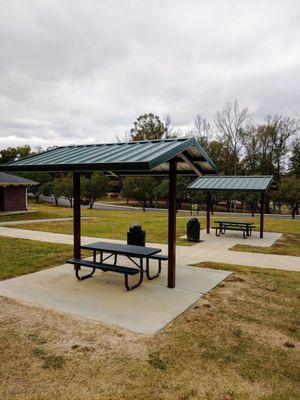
251 184
168 157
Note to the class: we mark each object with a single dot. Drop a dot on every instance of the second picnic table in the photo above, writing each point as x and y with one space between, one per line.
245 227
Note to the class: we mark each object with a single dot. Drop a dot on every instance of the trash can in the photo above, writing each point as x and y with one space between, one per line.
193 230
136 235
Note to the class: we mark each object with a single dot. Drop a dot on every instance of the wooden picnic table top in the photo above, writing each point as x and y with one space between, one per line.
122 249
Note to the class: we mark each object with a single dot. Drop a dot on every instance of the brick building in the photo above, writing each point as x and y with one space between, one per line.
13 192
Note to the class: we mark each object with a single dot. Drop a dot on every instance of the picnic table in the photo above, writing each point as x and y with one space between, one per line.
245 227
109 250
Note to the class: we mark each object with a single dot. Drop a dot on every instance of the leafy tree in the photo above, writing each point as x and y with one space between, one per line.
220 152
162 190
276 197
250 200
58 188
148 127
290 192
140 189
295 158
182 184
43 186
94 187
280 129
251 144
14 153
68 188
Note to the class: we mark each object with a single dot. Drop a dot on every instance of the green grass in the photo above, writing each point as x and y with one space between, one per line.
106 224
40 211
22 256
288 245
115 224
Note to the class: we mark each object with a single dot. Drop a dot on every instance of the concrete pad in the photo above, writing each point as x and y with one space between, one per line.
192 280
230 238
104 298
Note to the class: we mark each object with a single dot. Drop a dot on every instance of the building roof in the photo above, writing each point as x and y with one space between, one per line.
14 180
131 158
232 183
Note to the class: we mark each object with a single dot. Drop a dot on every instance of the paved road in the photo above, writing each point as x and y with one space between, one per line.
114 207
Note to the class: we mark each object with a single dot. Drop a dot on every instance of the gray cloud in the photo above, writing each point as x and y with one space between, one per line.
79 72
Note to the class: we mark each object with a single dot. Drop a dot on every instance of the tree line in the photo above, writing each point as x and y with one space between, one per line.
237 143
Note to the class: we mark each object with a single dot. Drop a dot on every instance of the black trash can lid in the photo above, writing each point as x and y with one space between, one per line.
194 220
135 227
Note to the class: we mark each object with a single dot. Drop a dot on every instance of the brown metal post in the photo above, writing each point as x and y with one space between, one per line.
172 223
262 210
76 214
208 206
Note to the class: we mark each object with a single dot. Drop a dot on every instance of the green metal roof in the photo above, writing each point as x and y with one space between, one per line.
129 158
232 183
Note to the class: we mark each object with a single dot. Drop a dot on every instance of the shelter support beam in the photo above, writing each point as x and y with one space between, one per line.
208 207
262 210
76 215
172 223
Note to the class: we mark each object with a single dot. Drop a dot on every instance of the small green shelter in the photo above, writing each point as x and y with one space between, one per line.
220 183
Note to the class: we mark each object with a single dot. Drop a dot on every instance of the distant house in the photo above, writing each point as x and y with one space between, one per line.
13 192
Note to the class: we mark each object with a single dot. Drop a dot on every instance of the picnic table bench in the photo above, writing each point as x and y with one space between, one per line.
108 250
245 227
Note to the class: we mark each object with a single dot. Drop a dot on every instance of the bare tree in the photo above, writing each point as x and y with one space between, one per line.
231 122
203 130
123 138
168 126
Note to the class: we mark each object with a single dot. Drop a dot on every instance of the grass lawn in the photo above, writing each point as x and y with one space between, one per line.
288 245
239 342
20 256
106 224
40 211
115 224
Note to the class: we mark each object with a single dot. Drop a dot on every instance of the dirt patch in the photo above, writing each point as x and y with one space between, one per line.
66 334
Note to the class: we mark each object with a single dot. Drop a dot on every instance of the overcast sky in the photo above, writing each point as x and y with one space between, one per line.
82 71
